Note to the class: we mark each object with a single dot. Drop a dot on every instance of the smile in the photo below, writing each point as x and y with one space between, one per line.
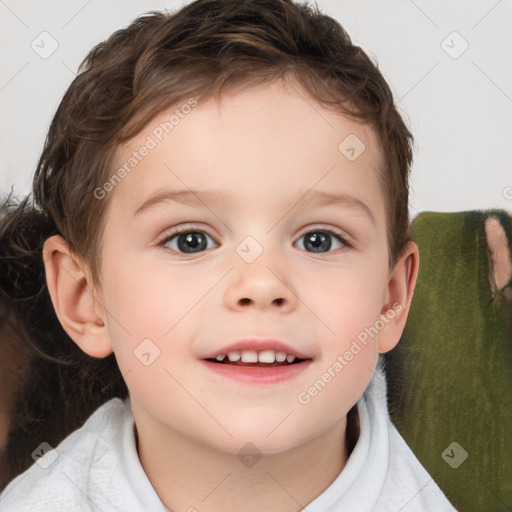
259 358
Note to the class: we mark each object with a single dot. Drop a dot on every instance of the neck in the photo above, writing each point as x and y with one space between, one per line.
190 476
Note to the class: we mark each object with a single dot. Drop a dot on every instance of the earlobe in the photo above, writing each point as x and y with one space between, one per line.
399 295
72 294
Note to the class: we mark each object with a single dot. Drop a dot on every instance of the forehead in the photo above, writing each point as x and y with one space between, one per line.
257 144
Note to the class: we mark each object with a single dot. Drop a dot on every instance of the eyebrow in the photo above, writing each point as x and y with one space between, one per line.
205 197
319 199
190 197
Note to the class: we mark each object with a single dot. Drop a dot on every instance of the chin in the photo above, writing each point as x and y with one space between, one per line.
259 440
248 445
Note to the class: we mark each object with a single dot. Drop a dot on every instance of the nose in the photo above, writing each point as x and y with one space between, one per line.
259 285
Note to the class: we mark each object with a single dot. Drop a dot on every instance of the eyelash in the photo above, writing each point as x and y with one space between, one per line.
191 229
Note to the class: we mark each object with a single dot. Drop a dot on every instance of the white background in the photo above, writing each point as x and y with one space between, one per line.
458 109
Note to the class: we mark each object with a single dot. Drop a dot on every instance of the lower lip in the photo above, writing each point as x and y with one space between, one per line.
257 375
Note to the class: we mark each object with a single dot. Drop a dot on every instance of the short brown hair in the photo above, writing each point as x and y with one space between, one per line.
163 58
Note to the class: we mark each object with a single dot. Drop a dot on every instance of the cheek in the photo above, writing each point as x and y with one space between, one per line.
140 308
155 315
346 314
346 304
147 318
147 298
344 301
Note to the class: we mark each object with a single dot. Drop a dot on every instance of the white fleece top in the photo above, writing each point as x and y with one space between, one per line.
97 469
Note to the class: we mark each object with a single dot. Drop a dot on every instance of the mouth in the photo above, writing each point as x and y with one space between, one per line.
260 366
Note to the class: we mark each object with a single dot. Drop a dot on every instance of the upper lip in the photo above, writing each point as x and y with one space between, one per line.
257 345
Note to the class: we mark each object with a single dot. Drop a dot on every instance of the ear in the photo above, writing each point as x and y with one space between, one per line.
501 272
398 297
74 299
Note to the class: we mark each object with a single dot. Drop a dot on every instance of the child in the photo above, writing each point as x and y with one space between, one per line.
230 188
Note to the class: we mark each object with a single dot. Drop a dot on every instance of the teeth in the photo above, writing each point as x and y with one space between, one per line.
280 357
249 356
267 356
234 356
252 356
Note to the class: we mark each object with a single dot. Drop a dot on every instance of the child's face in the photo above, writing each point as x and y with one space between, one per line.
249 271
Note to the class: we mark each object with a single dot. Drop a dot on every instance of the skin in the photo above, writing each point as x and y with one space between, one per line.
261 146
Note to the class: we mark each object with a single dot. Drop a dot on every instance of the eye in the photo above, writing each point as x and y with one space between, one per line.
320 240
186 241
